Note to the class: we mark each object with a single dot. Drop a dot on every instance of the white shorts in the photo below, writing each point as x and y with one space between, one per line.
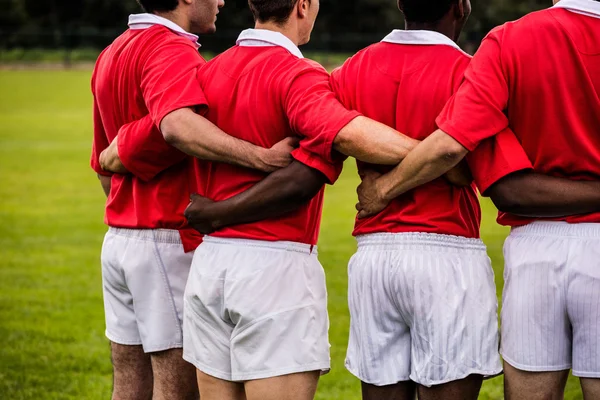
423 307
144 273
551 300
255 309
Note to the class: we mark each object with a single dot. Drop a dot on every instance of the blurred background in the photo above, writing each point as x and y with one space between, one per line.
52 343
70 31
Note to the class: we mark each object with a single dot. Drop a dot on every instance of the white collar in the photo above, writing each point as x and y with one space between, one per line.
590 8
144 21
264 37
419 38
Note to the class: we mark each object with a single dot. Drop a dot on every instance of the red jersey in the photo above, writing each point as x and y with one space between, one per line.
262 90
539 75
146 73
404 82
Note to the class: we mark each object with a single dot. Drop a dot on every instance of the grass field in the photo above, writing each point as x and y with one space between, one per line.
52 344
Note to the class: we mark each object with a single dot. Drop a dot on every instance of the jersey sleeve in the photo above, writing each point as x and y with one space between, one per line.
100 142
477 110
169 80
143 150
317 116
495 158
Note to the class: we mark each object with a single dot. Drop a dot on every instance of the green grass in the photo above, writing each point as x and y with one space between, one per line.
20 55
52 344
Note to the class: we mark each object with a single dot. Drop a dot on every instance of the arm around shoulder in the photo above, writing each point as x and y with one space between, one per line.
195 135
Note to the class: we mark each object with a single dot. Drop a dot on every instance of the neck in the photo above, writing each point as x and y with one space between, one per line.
177 17
441 27
287 29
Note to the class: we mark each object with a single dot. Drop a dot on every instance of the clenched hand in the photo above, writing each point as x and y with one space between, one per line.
279 155
370 200
201 215
110 161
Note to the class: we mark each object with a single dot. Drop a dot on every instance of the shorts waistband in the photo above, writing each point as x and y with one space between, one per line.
153 235
558 228
416 241
278 245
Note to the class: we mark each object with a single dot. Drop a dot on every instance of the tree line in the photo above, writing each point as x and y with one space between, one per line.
342 25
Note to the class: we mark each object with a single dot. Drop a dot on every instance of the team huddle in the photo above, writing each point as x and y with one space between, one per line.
215 171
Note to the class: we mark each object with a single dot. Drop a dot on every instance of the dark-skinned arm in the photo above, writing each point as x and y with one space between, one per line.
105 183
283 191
531 194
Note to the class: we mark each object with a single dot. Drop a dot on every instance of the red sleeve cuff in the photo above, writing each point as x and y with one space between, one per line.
331 171
496 158
126 155
464 139
329 154
147 160
484 182
98 169
199 105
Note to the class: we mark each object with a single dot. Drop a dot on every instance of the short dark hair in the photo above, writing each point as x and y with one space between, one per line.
152 6
425 10
277 11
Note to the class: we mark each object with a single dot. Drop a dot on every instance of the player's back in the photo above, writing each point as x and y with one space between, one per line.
123 84
249 92
404 82
552 59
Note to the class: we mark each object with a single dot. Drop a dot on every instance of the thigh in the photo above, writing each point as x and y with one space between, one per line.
527 385
583 305
463 389
454 325
379 343
206 327
536 332
279 307
212 388
406 390
298 386
121 323
174 378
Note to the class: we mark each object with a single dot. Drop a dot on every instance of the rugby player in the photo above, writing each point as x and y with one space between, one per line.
149 74
539 75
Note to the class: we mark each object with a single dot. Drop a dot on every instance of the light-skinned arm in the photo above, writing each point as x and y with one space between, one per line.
148 151
432 158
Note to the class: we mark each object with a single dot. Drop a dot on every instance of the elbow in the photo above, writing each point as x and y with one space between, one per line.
307 194
507 205
446 150
299 190
505 198
343 141
170 126
301 193
452 153
170 135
